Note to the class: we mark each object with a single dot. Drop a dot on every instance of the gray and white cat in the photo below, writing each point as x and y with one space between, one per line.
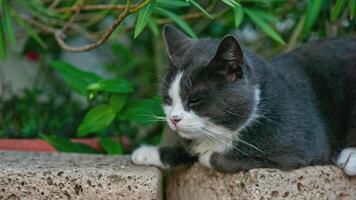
235 111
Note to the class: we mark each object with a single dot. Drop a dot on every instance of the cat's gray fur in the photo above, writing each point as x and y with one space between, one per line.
306 109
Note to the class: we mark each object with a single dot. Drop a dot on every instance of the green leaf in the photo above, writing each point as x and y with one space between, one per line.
337 9
179 21
118 85
238 15
78 80
259 21
267 16
8 24
143 111
122 51
31 32
171 4
96 119
231 3
313 11
65 145
143 17
352 8
117 102
153 26
110 146
200 8
2 44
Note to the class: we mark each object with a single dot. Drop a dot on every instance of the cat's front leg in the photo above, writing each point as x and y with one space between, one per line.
230 163
204 159
163 157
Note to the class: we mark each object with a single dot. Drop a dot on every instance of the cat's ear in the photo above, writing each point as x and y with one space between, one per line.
175 40
229 58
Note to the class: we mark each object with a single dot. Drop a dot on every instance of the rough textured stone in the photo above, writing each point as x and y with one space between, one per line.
319 182
75 176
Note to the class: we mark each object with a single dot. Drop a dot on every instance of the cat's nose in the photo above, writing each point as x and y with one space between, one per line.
175 119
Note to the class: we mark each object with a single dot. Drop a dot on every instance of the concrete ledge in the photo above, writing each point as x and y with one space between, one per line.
320 182
75 176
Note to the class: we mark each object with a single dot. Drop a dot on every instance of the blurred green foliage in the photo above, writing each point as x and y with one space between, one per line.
123 111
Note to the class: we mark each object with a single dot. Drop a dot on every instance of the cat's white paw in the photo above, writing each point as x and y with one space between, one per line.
204 159
347 161
147 155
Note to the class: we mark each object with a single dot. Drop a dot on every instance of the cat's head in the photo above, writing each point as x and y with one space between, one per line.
207 90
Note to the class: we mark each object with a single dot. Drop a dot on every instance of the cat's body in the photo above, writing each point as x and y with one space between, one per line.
234 111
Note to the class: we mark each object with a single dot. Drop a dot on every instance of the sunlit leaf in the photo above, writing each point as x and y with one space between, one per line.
179 21
65 145
337 9
96 119
110 146
238 15
77 79
231 3
313 11
265 27
143 16
197 5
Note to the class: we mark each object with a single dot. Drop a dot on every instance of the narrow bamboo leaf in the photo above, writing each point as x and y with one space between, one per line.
171 4
352 8
96 119
194 3
2 44
313 11
231 3
29 30
267 16
238 15
337 9
8 24
259 21
143 16
110 146
153 26
179 21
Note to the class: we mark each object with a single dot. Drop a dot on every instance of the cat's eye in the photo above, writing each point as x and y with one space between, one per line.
167 100
194 101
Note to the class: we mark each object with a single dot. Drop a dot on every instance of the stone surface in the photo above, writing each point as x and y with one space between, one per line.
75 176
319 182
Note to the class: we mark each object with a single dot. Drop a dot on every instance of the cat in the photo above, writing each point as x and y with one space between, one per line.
235 111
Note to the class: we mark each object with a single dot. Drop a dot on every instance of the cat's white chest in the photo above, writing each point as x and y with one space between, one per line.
204 146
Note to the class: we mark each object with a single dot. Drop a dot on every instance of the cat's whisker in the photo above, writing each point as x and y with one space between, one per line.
224 142
232 113
238 139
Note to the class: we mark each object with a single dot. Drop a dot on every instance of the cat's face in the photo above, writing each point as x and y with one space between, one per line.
206 91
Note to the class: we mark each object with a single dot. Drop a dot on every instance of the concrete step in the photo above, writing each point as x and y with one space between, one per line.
75 176
318 182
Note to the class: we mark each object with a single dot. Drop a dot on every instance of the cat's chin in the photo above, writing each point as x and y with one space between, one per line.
186 135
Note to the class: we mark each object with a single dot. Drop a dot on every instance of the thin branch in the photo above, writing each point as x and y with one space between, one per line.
133 9
59 35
